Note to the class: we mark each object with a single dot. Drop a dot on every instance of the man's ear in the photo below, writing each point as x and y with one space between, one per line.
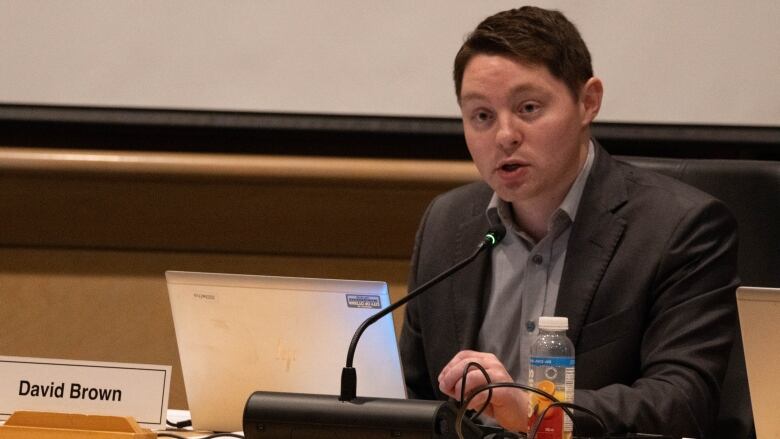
590 99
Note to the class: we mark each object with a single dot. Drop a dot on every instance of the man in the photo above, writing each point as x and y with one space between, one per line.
643 266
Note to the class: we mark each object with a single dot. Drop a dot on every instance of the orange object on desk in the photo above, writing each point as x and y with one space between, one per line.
45 425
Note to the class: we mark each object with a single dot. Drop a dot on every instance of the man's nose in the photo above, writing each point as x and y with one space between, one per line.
508 136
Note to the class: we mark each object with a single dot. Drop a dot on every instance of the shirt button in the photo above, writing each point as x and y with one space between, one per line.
530 326
537 259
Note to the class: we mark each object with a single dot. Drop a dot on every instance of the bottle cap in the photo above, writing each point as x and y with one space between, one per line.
553 323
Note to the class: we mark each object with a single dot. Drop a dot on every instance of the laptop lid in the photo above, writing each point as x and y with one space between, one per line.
238 333
759 318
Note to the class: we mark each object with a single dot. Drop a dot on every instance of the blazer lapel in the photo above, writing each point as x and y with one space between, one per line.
595 234
468 286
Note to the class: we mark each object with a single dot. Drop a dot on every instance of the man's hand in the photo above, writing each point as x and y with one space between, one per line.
508 406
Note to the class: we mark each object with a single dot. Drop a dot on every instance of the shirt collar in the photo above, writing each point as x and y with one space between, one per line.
566 210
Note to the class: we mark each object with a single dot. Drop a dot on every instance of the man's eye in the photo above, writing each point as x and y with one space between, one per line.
482 116
529 107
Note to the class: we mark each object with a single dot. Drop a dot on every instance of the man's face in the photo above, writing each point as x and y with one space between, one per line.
526 133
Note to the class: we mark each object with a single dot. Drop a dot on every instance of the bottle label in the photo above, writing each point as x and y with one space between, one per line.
555 376
552 361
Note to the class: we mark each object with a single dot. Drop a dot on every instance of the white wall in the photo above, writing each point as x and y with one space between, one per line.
666 61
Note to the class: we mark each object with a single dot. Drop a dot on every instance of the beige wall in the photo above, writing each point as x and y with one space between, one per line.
666 61
87 236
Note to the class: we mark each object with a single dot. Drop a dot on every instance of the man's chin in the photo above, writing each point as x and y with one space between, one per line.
510 193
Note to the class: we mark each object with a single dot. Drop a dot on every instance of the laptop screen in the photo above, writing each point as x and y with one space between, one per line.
759 319
238 333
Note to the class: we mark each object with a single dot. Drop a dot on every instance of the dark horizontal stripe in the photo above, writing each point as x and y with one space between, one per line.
338 135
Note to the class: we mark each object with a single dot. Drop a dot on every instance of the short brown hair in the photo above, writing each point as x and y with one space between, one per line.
530 35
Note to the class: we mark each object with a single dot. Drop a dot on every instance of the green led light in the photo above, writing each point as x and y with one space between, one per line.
491 238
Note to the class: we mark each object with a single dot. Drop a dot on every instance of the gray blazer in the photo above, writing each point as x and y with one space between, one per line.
648 286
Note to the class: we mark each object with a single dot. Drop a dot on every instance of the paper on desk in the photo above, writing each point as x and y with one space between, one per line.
184 415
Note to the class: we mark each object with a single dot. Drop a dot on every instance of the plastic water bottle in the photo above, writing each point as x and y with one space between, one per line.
551 369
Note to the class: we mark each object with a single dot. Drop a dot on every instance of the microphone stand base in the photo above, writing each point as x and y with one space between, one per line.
271 415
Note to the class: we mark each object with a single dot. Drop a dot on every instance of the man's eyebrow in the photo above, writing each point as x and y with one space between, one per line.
522 88
471 97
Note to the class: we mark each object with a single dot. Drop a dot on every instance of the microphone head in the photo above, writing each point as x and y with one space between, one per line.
495 235
497 230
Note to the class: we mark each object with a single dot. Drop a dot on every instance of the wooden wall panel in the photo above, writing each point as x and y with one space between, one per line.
87 237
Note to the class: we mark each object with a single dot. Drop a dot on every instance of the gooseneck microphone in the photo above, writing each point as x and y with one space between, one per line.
348 374
271 415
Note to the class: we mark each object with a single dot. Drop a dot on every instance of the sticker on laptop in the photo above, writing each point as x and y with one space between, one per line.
365 302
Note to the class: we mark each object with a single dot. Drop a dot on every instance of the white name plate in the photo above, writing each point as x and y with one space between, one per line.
88 387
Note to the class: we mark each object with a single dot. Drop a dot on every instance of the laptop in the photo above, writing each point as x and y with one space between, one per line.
240 333
759 317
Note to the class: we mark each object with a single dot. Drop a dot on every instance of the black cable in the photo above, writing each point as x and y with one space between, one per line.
475 392
564 405
463 387
211 436
180 424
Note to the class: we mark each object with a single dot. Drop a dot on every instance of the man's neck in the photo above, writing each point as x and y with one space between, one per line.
533 215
